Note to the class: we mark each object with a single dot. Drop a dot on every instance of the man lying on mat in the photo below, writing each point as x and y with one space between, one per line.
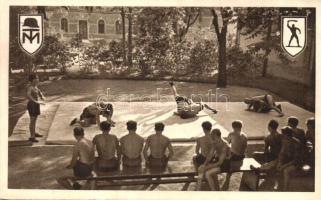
131 146
108 149
263 104
157 144
91 114
203 145
186 108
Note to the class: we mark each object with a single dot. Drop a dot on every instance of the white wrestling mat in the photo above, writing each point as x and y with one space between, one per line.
56 116
177 129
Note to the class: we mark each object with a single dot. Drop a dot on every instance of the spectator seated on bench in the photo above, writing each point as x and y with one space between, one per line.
131 146
108 149
288 160
203 145
157 144
82 160
272 145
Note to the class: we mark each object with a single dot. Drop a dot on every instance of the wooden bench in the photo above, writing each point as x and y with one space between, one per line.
175 172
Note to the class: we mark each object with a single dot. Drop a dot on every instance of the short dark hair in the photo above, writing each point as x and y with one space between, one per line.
216 132
207 125
293 121
159 126
273 124
287 131
105 126
32 77
79 131
131 125
311 122
237 124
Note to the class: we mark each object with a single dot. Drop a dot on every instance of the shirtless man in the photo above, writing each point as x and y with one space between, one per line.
83 156
310 136
288 159
131 146
272 145
107 146
186 108
297 132
157 143
203 144
222 151
263 104
238 141
91 115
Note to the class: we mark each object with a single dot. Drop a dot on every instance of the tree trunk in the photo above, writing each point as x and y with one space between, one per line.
222 77
130 37
268 49
124 35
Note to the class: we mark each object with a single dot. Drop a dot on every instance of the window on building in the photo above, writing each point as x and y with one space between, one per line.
64 24
118 26
101 26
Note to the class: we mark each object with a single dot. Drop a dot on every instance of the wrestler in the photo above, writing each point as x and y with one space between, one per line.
131 146
186 108
263 104
157 144
91 115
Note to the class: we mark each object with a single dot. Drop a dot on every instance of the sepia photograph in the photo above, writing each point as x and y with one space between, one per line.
161 98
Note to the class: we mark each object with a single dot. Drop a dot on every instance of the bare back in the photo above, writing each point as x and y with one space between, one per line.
205 144
106 145
238 143
132 145
158 145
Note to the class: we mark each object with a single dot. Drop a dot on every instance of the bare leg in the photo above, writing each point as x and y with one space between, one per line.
286 176
200 178
32 126
173 89
211 109
212 179
272 105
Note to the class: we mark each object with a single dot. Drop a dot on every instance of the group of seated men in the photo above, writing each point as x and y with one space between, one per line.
284 153
111 151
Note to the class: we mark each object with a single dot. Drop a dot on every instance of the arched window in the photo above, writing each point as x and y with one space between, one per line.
64 24
101 26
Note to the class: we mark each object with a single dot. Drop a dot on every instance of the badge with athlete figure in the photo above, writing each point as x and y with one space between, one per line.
293 34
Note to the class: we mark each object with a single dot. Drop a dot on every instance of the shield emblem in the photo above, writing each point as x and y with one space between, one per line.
30 33
293 34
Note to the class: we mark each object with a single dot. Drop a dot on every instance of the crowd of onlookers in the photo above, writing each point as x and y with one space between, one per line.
284 152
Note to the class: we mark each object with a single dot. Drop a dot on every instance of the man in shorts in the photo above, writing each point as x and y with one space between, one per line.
83 156
238 141
186 108
91 115
211 169
263 104
203 144
272 145
157 144
131 146
108 149
288 160
298 133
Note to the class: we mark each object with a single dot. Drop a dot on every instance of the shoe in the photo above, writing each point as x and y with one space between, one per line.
76 186
38 135
73 121
171 83
215 111
33 140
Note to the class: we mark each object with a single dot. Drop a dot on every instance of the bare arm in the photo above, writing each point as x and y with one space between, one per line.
41 95
30 96
74 158
146 147
118 149
170 149
197 148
